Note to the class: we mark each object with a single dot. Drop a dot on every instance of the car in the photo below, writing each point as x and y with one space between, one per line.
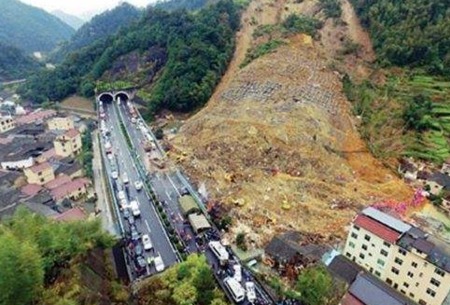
237 272
125 178
141 262
121 195
138 250
131 220
115 175
126 213
138 185
159 264
133 120
124 203
134 233
250 291
184 191
134 205
147 242
110 156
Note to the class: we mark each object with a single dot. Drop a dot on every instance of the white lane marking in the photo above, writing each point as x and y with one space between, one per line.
173 184
148 227
168 195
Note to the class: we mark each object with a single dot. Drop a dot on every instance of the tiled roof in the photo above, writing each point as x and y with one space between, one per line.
40 167
72 133
48 154
386 219
31 189
74 214
68 188
35 116
344 268
57 182
377 228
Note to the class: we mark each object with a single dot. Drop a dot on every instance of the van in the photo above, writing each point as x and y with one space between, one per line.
235 289
134 205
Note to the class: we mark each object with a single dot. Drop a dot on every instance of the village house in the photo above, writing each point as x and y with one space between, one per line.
60 123
292 251
437 182
36 116
39 174
73 190
6 123
70 167
408 169
69 144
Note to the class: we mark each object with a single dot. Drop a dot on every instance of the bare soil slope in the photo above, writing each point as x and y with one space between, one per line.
277 140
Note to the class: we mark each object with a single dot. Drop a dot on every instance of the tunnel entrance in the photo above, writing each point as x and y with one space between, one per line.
123 96
106 98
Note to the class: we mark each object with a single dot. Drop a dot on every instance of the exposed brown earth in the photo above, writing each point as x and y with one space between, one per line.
278 140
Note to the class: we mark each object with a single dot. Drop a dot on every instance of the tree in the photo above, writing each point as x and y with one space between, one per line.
315 286
418 113
21 272
240 241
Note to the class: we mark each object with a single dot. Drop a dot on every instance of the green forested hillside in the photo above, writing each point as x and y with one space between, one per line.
409 32
30 28
100 27
14 64
172 5
197 48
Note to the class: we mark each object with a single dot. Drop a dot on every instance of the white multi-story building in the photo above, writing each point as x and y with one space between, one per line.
404 256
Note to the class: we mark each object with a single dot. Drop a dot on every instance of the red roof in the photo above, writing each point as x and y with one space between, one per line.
377 228
40 167
74 214
72 133
31 189
66 189
349 299
48 154
57 182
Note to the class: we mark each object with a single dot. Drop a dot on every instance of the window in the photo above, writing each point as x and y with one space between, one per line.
422 302
367 237
411 295
402 251
361 255
40 174
395 286
351 245
42 180
414 264
417 284
380 262
406 284
348 254
395 270
389 281
398 261
356 227
385 243
439 271
377 273
354 235
431 292
364 247
435 282
384 252
402 291
410 274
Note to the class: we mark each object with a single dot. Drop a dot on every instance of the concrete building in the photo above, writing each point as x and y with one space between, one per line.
39 174
6 123
60 123
69 144
404 256
72 190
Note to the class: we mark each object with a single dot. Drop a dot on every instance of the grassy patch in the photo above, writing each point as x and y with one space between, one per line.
260 50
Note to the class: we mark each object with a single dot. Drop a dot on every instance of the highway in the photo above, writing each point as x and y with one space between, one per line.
168 188
148 222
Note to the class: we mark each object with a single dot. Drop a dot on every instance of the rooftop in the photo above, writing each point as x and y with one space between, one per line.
75 214
67 166
441 179
35 116
66 189
388 220
40 167
370 291
31 189
377 228
344 269
72 133
57 182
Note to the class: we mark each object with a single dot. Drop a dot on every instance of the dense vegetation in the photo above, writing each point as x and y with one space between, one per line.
271 35
198 48
173 5
14 64
409 32
100 27
30 28
188 283
331 8
36 250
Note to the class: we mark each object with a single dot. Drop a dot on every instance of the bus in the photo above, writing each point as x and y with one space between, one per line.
236 290
219 251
